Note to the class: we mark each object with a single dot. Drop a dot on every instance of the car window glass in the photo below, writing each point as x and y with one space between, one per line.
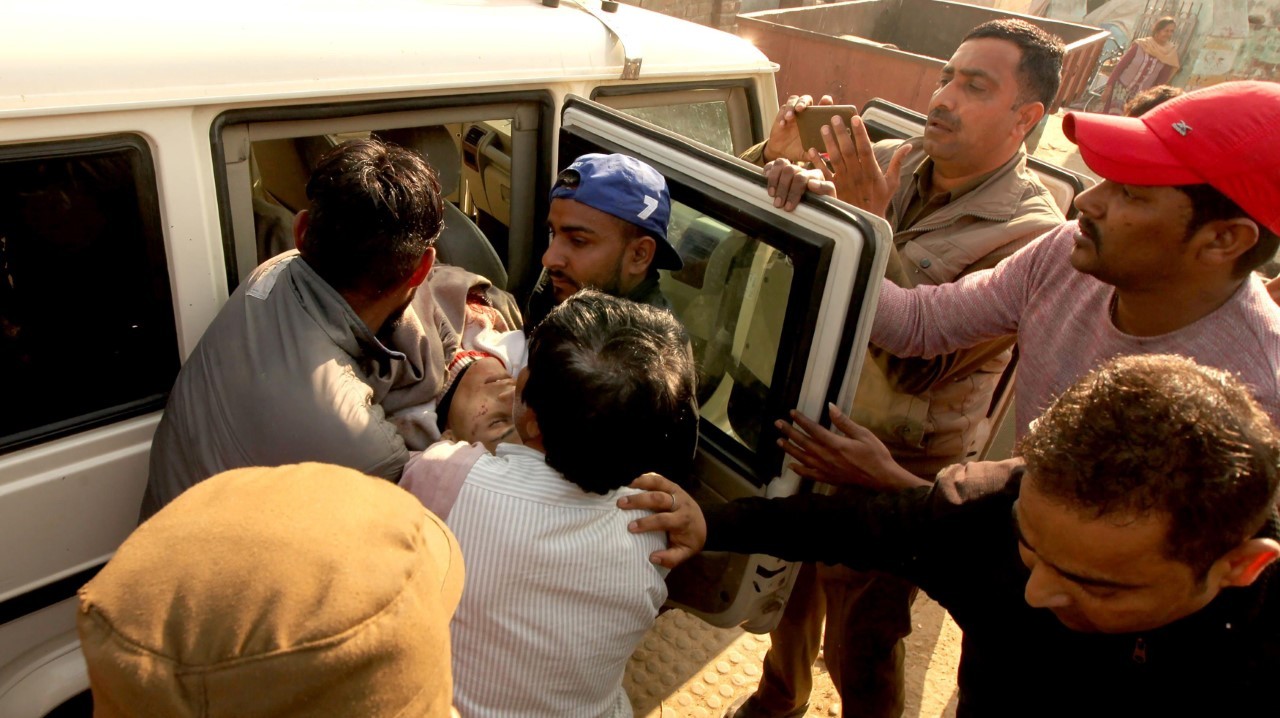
473 163
731 296
706 122
86 315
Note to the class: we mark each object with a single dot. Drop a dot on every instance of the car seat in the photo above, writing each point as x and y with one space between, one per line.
461 243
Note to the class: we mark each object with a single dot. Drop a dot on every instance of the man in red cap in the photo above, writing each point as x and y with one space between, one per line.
1160 260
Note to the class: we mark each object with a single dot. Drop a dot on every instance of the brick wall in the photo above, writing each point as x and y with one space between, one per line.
721 14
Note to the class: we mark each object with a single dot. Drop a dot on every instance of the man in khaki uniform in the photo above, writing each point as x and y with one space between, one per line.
960 198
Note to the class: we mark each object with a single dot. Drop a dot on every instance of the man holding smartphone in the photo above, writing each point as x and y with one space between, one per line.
959 198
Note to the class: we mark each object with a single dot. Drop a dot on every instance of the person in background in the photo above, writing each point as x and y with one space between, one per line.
1148 62
1147 100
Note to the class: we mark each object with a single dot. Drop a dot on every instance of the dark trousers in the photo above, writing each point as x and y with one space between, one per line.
867 616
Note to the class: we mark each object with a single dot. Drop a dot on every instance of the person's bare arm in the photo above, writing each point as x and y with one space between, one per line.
857 457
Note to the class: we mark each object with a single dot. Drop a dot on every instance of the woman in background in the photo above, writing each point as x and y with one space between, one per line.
1150 61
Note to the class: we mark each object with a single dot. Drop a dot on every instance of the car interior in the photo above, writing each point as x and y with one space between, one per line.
472 161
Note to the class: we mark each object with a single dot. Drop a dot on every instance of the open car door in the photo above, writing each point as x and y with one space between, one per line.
778 307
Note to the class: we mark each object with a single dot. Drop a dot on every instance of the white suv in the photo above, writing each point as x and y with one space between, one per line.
150 155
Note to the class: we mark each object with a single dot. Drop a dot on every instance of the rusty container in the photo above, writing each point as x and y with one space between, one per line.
893 49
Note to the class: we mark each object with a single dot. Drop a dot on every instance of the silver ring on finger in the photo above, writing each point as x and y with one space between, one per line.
673 500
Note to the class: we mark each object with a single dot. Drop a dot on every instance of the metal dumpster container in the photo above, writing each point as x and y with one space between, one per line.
893 49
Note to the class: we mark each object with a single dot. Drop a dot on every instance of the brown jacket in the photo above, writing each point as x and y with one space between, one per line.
933 412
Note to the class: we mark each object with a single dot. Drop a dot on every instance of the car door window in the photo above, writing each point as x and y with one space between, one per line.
87 332
719 116
776 305
485 150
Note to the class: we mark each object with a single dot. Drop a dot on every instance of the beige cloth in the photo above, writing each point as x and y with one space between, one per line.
1167 53
302 590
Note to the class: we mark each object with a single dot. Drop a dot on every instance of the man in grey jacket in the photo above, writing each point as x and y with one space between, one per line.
960 198
299 362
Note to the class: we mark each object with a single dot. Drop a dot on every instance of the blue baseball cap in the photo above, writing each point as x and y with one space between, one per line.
626 188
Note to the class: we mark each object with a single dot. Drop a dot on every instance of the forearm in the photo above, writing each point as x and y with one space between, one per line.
932 321
865 530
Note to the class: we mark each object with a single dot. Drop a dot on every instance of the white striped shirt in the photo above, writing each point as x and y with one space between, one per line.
558 592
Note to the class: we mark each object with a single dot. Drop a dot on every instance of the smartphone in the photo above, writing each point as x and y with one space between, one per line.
810 122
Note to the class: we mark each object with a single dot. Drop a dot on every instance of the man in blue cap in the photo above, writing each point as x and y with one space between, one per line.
608 226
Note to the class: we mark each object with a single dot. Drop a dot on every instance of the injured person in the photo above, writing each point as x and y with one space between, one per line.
477 403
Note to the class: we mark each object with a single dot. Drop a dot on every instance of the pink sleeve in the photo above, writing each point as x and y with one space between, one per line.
437 474
928 321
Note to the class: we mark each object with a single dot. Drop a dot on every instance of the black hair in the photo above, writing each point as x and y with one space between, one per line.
375 210
612 383
1161 434
1150 98
1040 69
1208 205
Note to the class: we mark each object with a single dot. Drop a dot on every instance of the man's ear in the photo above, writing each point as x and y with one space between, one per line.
1029 115
300 224
529 429
639 255
1248 560
1222 241
424 268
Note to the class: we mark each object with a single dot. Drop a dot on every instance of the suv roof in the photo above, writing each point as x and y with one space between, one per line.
103 55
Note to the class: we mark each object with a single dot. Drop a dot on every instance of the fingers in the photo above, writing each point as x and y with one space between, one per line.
655 501
826 100
846 425
849 150
794 104
773 175
672 557
816 445
893 177
858 134
820 163
786 183
666 521
827 188
810 426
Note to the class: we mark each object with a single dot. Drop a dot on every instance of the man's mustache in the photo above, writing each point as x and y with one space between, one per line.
1090 230
945 117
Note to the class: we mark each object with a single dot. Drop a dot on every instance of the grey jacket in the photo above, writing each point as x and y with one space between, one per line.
287 372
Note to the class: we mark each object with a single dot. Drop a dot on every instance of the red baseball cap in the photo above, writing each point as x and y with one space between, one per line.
1224 136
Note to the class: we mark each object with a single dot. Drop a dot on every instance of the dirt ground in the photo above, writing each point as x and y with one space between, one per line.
685 668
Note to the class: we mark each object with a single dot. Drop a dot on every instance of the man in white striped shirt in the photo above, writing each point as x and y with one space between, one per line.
558 591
